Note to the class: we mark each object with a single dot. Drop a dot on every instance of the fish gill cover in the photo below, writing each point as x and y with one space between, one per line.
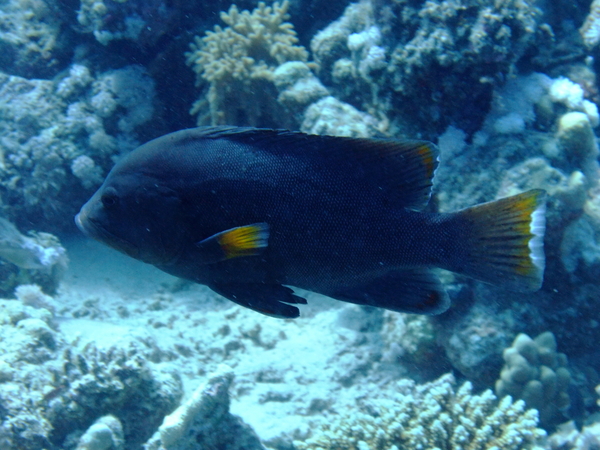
101 355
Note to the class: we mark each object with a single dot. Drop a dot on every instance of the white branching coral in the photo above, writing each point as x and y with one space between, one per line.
432 416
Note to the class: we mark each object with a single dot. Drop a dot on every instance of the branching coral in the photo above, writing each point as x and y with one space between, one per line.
30 38
238 63
433 415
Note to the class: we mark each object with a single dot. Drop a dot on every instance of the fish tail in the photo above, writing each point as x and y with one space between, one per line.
505 241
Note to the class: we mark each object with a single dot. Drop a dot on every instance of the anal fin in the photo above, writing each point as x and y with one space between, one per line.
416 291
268 299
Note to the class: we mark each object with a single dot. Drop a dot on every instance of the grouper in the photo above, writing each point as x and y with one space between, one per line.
252 213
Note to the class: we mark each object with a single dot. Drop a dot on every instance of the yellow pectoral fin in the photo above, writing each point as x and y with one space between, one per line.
244 241
241 241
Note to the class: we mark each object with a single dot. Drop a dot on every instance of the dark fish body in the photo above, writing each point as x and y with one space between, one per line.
249 211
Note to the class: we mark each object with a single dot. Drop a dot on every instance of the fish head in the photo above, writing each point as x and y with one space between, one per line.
136 214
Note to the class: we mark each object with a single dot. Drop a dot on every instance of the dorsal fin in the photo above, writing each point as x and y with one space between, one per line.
404 169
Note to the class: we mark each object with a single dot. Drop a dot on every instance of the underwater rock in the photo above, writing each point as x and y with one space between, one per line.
204 421
329 116
578 143
298 87
410 342
105 434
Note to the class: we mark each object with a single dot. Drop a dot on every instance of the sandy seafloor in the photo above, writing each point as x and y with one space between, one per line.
286 373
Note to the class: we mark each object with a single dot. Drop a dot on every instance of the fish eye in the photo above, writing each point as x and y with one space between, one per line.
109 197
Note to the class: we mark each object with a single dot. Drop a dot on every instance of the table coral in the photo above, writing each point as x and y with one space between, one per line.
433 415
238 63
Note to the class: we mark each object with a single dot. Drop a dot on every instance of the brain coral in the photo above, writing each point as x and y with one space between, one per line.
238 62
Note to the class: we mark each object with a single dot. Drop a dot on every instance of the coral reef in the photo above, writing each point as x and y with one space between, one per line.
387 59
114 20
37 258
535 372
98 381
60 135
568 437
238 62
515 99
433 415
33 42
28 342
52 392
204 420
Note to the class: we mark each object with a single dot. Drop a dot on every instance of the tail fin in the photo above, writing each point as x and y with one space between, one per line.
506 243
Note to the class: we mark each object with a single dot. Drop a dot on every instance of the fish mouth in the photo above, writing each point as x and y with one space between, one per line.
81 226
93 230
